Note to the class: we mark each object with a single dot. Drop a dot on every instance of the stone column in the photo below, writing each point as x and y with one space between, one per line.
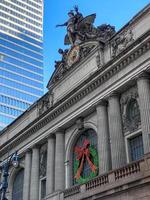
59 161
34 192
50 165
27 175
118 154
143 84
103 138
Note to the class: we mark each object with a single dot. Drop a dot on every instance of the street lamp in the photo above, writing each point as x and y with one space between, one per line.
12 160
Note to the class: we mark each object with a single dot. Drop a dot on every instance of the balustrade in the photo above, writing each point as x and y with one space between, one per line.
127 170
98 181
71 191
106 179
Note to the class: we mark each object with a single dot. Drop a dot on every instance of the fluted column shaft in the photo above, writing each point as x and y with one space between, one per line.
50 165
27 175
59 161
118 154
103 138
143 84
34 193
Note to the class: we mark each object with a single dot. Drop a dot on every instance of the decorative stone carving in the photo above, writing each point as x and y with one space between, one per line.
80 123
121 42
105 32
72 57
86 49
130 110
43 161
82 35
45 103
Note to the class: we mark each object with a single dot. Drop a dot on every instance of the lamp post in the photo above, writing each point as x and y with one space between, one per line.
12 160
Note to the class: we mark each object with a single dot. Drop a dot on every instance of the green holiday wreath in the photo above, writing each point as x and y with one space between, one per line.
77 163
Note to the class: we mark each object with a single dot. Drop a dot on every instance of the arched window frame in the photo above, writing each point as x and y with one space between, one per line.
75 140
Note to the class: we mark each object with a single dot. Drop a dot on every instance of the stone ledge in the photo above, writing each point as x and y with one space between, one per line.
130 176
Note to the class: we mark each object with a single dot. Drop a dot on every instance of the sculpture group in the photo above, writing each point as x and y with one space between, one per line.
80 30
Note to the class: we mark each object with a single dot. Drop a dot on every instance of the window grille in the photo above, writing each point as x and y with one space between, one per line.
136 148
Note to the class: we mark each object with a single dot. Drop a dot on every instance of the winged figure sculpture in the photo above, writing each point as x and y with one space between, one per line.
78 27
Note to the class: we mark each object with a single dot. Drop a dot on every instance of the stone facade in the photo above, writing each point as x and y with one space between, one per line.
108 91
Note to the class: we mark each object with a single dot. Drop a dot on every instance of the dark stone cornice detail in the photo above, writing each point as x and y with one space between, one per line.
51 136
143 75
87 87
102 102
80 123
59 131
113 94
29 150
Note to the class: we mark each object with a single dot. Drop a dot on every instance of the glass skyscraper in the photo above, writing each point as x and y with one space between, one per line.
21 56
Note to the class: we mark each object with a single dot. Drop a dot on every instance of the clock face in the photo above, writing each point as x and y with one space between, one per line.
73 55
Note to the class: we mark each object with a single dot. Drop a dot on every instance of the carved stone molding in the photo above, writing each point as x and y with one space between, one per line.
45 103
43 160
113 94
143 75
121 41
129 105
74 55
59 130
80 123
102 102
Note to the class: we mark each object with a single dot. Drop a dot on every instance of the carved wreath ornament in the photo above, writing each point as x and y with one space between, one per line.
83 154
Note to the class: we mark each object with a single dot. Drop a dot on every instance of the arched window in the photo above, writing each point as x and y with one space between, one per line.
85 157
17 193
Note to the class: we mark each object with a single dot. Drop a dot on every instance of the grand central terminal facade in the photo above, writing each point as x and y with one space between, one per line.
88 137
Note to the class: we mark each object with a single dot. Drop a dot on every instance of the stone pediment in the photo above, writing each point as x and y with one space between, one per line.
83 37
71 58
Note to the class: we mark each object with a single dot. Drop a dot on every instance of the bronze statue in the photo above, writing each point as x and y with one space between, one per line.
63 59
78 27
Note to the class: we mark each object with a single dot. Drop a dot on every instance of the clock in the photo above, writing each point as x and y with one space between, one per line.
73 55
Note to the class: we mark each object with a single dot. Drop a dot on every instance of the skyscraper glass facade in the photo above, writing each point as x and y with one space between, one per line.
21 56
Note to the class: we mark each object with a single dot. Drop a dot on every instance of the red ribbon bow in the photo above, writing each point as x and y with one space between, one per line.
82 153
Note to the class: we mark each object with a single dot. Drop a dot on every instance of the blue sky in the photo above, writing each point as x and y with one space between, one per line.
114 12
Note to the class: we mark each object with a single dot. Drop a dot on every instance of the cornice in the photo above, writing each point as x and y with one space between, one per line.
143 75
84 89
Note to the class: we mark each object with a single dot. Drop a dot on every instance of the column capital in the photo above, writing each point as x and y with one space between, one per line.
59 130
35 146
143 75
51 136
102 102
28 150
113 94
80 123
